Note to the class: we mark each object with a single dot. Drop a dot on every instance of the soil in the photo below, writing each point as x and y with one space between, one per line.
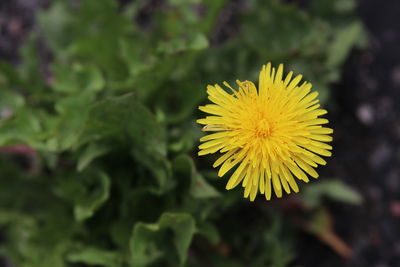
366 120
367 145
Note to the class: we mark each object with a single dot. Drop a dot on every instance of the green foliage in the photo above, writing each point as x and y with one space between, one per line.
95 256
333 189
143 244
108 129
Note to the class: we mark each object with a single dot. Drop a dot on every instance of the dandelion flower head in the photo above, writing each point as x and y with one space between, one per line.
270 137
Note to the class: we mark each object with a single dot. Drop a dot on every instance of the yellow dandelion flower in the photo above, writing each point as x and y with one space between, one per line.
273 135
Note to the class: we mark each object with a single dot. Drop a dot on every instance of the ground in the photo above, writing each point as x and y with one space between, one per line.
366 147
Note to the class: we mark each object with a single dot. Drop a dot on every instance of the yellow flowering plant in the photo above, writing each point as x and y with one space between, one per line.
98 148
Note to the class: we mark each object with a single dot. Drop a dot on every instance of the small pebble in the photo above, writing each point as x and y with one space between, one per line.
365 114
396 76
395 208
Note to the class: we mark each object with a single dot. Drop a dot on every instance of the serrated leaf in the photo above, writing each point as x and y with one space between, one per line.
144 246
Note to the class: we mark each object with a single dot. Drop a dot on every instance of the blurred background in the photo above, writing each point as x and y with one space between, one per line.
98 140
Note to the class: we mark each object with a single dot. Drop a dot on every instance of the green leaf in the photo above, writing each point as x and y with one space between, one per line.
268 40
91 152
201 189
55 23
159 167
132 211
29 70
95 256
333 189
125 119
25 127
77 78
75 105
86 191
9 76
66 131
198 42
89 203
9 103
345 39
97 29
195 42
187 97
198 188
145 246
137 62
209 231
279 245
331 9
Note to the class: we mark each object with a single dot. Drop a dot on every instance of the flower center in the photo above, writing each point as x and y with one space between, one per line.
264 128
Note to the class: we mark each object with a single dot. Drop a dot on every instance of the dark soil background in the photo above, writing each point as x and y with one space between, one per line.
367 139
366 119
367 145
